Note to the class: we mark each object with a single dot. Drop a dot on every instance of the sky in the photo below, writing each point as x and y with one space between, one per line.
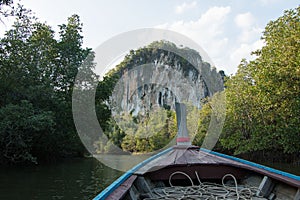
228 30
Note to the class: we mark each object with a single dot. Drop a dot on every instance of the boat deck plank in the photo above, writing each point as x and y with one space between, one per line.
193 156
122 189
181 156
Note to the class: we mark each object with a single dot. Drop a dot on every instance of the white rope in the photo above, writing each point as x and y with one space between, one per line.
205 190
178 172
235 184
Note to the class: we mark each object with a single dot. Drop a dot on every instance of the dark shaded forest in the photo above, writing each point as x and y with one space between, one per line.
37 74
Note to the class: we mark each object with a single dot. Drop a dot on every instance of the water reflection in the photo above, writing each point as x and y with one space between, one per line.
72 179
121 162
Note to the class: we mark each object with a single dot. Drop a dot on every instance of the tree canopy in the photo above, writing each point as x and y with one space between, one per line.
263 98
37 75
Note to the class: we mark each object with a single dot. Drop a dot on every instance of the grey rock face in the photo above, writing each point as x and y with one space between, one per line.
164 79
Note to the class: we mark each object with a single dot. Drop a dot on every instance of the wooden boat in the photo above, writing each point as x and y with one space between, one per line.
188 172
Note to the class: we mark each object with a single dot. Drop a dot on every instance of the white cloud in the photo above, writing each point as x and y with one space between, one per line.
249 31
248 39
244 51
207 31
184 7
250 35
204 30
244 20
212 31
268 2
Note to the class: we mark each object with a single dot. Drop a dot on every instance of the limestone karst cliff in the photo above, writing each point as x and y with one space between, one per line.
159 75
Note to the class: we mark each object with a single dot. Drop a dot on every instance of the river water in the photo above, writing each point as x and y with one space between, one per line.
72 179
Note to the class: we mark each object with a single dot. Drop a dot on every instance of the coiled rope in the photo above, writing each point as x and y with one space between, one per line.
205 190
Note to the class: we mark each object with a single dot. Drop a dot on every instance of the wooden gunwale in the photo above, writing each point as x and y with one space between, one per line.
180 156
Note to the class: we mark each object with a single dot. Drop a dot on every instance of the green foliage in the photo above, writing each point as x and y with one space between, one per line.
203 119
39 69
144 134
263 97
149 134
22 129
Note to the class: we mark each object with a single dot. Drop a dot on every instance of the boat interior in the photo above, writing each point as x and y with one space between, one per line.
204 182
